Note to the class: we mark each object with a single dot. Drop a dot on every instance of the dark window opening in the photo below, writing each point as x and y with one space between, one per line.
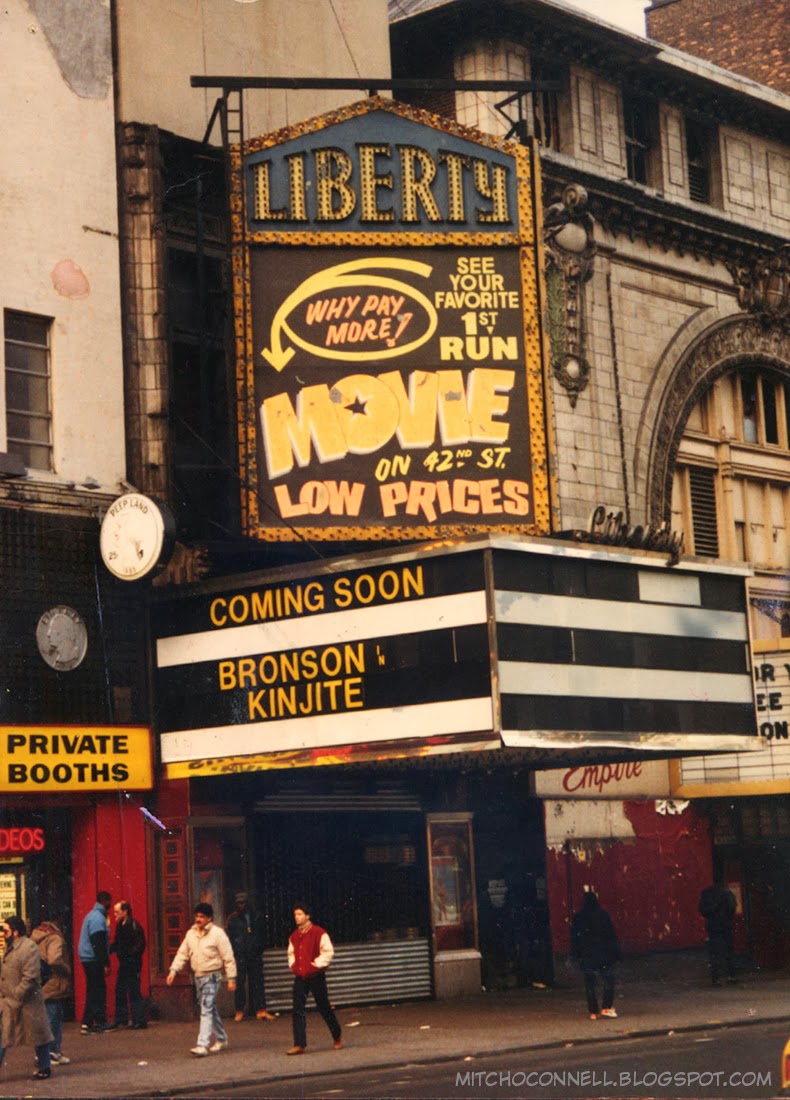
204 479
770 417
637 117
545 109
698 160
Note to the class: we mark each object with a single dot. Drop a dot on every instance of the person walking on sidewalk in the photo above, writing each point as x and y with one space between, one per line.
245 931
93 949
23 1017
56 979
310 952
207 949
717 905
595 948
129 946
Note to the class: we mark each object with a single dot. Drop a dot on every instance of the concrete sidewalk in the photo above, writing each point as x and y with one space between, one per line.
157 1062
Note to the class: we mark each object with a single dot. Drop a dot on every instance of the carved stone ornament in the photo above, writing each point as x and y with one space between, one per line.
570 245
764 287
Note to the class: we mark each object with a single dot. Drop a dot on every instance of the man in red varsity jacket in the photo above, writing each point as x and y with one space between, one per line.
310 952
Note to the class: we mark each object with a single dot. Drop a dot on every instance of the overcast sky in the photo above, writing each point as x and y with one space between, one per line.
629 14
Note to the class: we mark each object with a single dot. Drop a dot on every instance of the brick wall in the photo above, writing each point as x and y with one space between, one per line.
745 36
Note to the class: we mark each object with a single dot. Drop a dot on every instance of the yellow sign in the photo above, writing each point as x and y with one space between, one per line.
75 758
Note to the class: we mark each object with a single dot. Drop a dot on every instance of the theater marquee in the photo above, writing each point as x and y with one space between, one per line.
389 342
573 655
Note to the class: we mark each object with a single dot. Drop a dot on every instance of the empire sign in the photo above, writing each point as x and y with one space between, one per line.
389 360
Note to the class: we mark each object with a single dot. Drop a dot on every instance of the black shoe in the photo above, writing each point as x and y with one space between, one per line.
111 1027
139 1027
42 1075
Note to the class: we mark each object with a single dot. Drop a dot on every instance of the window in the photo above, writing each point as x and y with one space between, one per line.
765 402
545 109
27 388
731 490
702 489
637 120
698 143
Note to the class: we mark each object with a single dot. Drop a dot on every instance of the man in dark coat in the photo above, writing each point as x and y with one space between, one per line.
717 905
245 932
128 945
595 948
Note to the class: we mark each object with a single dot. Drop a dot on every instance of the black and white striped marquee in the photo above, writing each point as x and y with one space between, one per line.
522 642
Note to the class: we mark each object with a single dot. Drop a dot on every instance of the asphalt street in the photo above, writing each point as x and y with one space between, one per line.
669 998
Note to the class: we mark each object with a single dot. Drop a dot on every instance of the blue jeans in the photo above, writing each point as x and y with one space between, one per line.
42 1055
210 1022
55 1014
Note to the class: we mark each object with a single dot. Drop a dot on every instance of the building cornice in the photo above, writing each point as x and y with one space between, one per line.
625 209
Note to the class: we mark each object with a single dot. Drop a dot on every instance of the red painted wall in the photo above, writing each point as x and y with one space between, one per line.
108 853
649 885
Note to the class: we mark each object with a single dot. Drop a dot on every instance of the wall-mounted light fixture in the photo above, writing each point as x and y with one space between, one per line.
569 234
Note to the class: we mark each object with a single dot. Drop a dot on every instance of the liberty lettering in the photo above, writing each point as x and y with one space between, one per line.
330 184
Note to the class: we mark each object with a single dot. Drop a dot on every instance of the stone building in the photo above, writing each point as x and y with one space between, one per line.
665 185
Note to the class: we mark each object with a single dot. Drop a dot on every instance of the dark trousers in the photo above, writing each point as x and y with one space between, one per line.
721 956
591 983
249 973
95 1014
128 997
315 984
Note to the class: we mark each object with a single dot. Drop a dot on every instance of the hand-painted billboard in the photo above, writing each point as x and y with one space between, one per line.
389 346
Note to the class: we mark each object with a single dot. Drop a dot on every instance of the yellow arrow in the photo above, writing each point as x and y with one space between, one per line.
332 278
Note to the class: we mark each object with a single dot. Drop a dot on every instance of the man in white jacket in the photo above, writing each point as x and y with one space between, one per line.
207 949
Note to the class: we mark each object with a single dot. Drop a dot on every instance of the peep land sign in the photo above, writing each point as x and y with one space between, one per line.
389 347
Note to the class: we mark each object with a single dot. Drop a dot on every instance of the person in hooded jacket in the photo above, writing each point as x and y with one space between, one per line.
56 979
23 1016
596 949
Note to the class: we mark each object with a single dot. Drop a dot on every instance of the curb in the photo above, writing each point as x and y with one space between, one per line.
438 1059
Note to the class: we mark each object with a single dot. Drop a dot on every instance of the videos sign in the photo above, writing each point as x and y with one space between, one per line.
389 345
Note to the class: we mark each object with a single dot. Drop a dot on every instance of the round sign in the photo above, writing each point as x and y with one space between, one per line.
62 638
137 536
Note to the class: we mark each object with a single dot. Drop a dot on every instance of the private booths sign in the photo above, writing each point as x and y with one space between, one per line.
389 366
498 640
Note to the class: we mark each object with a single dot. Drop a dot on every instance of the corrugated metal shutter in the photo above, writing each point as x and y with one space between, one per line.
361 973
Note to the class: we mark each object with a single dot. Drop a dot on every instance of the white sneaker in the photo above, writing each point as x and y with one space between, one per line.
59 1059
610 1012
199 1052
220 1044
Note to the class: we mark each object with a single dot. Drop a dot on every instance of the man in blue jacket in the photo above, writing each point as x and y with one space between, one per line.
94 954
